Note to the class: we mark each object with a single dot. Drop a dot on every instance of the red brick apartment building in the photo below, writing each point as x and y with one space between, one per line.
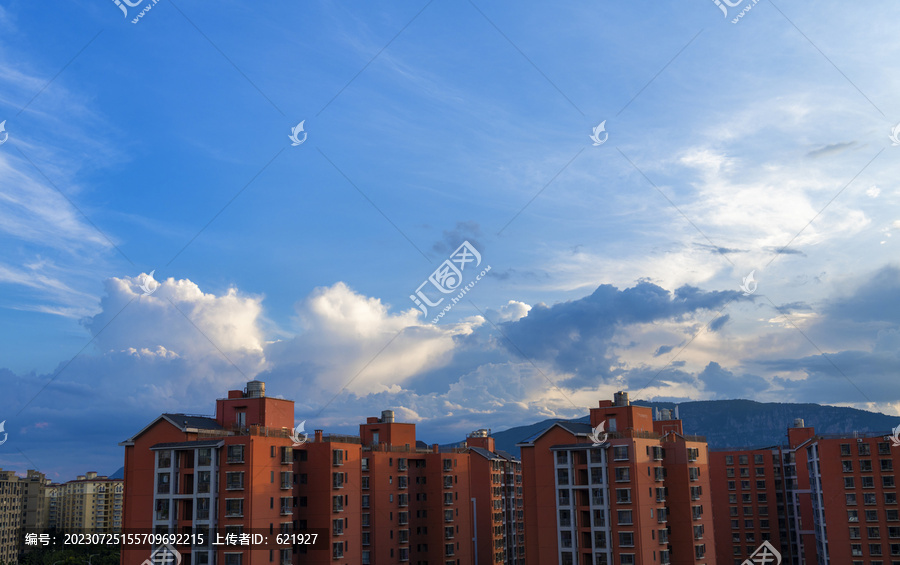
641 497
379 498
788 494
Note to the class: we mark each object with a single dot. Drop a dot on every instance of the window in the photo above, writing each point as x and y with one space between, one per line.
887 481
863 448
365 500
890 498
164 459
620 453
234 480
162 483
758 459
287 455
865 465
625 518
851 499
162 509
873 533
234 507
623 495
235 454
845 450
562 477
626 559
743 460
693 453
729 459
204 457
696 493
871 515
854 532
729 472
622 475
233 558
869 499
847 466
868 482
698 532
626 539
694 473
337 503
848 482
337 550
852 515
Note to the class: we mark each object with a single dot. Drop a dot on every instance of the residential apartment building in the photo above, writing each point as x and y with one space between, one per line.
788 494
498 506
636 494
227 473
35 501
91 504
389 501
853 487
378 498
10 516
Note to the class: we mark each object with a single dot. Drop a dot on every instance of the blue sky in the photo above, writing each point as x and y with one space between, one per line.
163 146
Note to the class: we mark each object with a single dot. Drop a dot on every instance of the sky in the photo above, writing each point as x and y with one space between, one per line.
670 200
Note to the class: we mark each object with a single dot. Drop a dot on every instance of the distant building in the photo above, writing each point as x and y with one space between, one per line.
91 504
10 516
638 496
35 501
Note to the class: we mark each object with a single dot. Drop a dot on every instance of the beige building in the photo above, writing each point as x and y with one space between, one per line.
35 501
90 503
10 516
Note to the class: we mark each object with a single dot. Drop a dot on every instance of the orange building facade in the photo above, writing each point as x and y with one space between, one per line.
819 500
639 496
378 498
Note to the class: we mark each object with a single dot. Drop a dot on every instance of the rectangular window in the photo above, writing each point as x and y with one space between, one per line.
164 459
234 480
234 507
623 495
235 454
622 475
204 457
624 517
620 453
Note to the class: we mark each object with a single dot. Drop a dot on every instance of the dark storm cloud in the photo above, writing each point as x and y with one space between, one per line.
576 336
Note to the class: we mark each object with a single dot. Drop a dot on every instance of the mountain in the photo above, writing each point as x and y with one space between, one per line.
740 423
120 474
